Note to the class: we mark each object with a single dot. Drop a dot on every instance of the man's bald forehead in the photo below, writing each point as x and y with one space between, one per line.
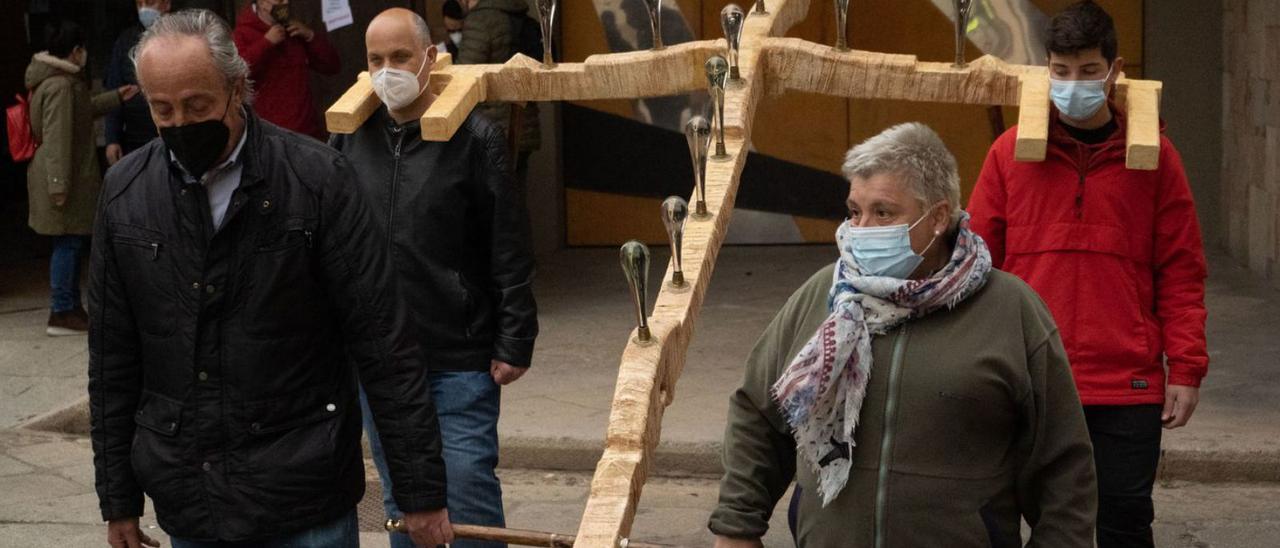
401 19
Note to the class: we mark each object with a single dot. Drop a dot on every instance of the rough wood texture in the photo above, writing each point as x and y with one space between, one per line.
1033 120
462 92
353 108
805 66
1141 101
792 64
349 112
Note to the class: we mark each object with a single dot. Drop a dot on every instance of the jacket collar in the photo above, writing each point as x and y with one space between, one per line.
253 173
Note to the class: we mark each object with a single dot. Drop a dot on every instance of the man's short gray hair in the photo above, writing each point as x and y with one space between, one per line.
207 26
422 31
915 153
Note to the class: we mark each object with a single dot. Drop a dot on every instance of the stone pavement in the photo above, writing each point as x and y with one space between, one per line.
555 417
48 500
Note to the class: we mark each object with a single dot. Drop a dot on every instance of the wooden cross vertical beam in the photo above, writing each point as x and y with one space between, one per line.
648 373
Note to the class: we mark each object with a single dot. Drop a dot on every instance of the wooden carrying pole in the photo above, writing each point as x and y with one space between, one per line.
768 65
518 537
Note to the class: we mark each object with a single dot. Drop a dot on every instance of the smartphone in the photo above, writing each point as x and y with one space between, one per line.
280 12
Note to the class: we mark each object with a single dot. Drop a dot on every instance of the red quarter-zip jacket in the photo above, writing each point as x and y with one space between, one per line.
1116 254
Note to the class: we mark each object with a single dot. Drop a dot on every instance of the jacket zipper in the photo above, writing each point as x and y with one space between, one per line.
395 176
886 439
1082 168
154 246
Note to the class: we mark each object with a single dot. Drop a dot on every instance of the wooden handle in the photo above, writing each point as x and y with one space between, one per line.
519 537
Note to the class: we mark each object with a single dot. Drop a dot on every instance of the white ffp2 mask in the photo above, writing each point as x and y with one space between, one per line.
397 88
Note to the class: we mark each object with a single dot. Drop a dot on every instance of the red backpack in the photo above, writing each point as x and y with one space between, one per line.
22 144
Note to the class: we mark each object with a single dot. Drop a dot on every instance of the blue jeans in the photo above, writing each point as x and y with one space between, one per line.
64 272
467 404
343 532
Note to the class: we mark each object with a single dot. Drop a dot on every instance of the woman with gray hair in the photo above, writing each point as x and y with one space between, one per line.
917 396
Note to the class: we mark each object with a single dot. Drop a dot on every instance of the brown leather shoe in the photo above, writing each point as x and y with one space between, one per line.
62 324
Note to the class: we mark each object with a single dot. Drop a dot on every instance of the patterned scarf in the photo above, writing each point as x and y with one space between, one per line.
821 392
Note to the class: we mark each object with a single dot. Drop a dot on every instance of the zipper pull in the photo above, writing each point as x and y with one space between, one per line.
155 251
307 233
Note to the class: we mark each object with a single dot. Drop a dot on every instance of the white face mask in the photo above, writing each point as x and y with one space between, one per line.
396 87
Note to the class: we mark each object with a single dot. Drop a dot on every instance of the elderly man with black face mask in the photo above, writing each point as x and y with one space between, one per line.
239 286
459 239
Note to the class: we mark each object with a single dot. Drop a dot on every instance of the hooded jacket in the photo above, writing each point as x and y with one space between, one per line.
1116 254
66 162
489 36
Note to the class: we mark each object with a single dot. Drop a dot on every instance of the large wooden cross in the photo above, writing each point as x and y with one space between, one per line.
769 65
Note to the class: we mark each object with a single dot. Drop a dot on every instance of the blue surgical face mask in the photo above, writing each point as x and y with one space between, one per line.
883 250
1079 99
147 16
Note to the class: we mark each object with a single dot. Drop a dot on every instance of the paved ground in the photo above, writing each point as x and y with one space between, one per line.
48 500
554 418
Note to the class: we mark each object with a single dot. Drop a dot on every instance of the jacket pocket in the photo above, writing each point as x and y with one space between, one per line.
145 264
283 284
287 413
1086 274
293 438
154 454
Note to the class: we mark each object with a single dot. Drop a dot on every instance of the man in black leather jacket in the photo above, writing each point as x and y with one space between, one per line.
238 289
459 241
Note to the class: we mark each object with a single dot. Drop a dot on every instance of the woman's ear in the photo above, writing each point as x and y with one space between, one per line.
941 218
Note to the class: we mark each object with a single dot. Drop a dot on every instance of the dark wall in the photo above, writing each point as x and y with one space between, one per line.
1184 50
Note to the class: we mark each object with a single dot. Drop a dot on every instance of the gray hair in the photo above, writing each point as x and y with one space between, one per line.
422 31
207 26
913 152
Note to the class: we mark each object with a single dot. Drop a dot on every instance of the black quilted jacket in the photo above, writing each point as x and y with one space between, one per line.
223 366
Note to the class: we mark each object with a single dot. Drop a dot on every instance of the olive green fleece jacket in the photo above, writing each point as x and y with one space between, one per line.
487 38
66 161
971 420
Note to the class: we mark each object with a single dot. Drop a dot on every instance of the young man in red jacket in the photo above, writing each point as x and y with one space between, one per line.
1117 255
281 52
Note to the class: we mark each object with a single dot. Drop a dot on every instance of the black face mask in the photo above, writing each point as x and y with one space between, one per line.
197 146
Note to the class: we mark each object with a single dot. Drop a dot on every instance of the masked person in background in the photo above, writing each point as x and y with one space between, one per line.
1117 255
239 286
282 52
453 16
63 178
130 126
917 396
459 239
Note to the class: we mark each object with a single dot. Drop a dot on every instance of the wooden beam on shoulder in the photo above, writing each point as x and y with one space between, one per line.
1141 101
1033 119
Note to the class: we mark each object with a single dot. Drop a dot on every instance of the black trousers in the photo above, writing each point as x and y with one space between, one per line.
1126 453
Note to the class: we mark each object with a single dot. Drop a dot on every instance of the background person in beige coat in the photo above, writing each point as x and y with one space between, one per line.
63 179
